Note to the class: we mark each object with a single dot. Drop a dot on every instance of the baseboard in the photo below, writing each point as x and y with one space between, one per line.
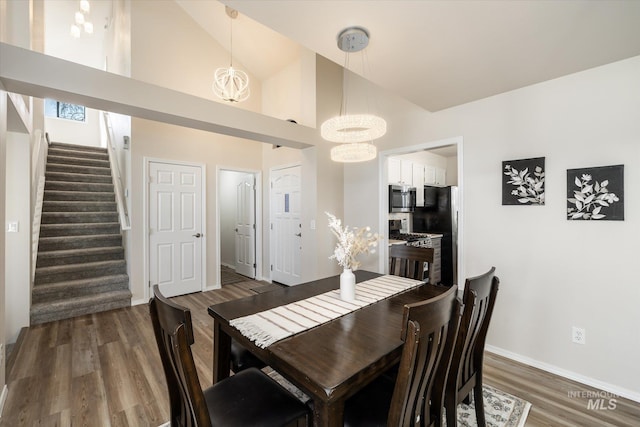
3 398
600 385
139 301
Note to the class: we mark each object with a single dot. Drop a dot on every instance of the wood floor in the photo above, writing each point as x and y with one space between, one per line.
104 370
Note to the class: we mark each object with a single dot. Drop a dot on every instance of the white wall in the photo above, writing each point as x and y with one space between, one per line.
3 299
18 245
169 49
74 132
554 273
288 95
161 141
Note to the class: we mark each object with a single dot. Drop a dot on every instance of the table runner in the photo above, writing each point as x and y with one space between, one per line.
272 325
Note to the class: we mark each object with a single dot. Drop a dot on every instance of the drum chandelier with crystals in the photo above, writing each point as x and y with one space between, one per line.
231 84
354 152
354 131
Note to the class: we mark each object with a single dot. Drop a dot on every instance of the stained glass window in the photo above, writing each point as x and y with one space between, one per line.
64 110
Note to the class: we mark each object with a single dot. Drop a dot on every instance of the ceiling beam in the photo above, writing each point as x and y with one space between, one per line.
34 74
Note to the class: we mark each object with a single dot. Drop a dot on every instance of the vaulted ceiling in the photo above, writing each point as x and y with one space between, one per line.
439 54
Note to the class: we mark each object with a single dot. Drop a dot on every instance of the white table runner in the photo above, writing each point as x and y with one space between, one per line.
272 325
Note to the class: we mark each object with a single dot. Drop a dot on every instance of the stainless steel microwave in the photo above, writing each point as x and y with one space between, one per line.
402 198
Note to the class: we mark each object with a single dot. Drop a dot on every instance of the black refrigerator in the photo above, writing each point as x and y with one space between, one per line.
439 215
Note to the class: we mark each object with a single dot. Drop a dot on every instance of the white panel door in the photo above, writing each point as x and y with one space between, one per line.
175 228
286 226
246 226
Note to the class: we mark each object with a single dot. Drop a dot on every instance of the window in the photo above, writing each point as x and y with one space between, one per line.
64 110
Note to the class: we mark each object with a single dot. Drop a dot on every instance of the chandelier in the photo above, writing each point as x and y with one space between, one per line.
231 84
81 21
353 152
354 131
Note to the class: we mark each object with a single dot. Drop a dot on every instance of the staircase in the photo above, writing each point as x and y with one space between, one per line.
80 267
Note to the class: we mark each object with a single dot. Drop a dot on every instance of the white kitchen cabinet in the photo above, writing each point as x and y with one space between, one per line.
395 176
441 176
406 172
430 175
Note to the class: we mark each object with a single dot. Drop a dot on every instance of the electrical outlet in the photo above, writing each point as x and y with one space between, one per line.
578 335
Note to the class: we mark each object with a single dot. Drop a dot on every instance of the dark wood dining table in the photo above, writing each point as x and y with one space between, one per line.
329 362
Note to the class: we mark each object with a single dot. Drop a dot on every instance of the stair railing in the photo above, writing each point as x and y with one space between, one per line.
39 151
125 223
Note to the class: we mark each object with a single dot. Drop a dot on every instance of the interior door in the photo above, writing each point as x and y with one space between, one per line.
246 226
286 225
175 228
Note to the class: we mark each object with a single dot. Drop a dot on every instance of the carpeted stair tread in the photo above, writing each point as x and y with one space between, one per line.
84 170
77 154
49 292
78 217
59 243
48 312
89 196
79 229
60 273
70 186
77 147
78 256
78 177
78 206
53 159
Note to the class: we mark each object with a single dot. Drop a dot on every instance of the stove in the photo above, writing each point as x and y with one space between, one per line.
413 239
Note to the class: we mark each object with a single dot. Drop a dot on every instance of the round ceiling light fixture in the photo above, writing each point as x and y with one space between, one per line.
352 129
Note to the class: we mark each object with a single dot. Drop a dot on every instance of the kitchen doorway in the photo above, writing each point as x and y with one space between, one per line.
438 165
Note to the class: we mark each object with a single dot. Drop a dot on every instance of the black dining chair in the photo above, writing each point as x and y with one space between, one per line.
415 397
465 376
409 261
249 398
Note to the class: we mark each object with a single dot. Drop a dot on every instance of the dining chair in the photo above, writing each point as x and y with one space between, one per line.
248 398
242 359
408 261
465 376
429 329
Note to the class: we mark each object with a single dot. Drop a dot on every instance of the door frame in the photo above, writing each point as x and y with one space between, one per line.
257 174
146 161
383 185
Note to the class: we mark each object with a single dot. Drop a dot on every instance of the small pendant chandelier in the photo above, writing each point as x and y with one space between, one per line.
355 132
81 20
231 84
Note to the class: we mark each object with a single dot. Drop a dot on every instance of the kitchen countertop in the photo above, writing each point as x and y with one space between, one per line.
402 242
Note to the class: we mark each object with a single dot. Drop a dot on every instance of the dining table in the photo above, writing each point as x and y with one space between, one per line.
329 362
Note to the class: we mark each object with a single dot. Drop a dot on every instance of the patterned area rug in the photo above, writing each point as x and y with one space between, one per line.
501 409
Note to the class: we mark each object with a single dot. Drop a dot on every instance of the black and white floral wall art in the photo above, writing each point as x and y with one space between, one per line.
596 193
523 182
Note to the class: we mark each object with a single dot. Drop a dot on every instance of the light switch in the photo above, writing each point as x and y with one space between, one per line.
12 227
312 225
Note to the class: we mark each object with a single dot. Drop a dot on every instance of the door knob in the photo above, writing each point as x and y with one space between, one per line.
299 234
197 235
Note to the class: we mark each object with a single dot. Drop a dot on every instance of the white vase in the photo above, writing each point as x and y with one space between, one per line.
347 285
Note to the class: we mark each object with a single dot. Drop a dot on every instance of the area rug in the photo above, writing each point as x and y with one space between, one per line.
500 409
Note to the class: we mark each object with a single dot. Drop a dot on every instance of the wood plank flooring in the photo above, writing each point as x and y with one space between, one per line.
104 370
